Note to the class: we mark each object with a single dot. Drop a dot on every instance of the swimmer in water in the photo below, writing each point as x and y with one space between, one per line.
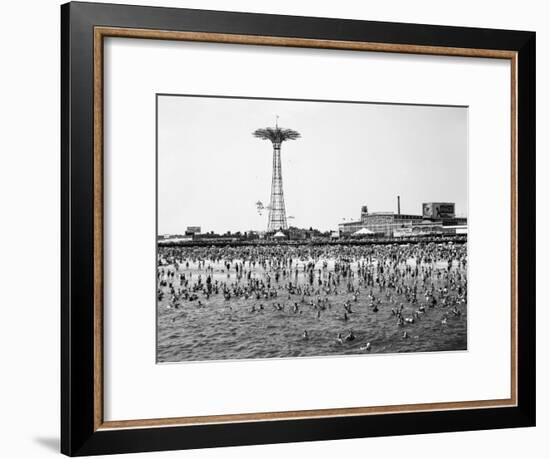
305 335
366 347
350 336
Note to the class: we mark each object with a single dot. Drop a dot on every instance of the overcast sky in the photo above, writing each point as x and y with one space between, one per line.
212 171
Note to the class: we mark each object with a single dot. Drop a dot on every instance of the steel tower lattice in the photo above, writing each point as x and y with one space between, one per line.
277 212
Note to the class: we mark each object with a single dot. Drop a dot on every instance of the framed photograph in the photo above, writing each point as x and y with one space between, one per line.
280 229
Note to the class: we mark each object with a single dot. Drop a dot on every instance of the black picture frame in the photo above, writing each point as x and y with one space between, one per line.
79 435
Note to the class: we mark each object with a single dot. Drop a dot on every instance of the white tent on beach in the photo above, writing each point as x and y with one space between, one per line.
279 234
363 232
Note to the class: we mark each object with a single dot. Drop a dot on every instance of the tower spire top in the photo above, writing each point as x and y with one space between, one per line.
276 121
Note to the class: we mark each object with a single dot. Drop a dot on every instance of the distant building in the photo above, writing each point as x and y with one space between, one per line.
297 234
193 230
443 212
380 223
252 234
435 217
364 211
438 210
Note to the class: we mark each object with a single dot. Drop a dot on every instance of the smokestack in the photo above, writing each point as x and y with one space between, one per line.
398 205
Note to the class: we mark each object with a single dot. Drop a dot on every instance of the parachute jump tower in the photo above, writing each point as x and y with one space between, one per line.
277 213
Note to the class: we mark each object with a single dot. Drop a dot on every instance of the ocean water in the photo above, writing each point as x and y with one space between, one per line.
221 329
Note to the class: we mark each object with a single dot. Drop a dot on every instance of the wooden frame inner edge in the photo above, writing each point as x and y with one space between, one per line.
99 34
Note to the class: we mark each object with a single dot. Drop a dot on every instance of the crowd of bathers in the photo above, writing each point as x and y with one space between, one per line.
407 279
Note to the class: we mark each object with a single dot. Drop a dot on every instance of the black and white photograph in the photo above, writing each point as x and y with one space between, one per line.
294 228
283 229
